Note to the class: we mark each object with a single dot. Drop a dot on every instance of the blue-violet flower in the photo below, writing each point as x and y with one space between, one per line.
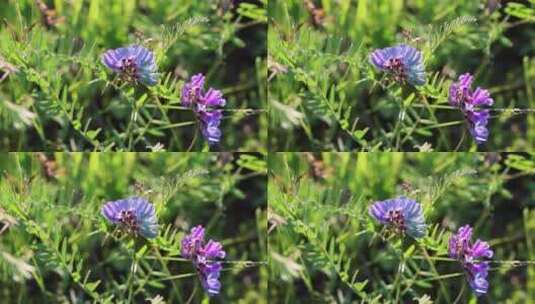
205 258
401 214
470 255
471 103
134 214
403 62
134 63
205 105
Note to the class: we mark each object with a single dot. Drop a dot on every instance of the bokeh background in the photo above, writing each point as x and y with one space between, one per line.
55 247
325 96
325 248
55 94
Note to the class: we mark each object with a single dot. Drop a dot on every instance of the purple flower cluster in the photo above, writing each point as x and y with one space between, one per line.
470 255
135 214
404 63
470 102
134 63
204 256
205 105
402 214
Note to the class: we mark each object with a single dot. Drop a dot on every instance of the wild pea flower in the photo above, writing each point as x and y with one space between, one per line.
470 103
401 214
205 106
134 63
204 256
470 254
403 62
134 214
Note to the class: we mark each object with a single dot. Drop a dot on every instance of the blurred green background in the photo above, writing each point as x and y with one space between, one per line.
55 247
54 93
324 247
325 96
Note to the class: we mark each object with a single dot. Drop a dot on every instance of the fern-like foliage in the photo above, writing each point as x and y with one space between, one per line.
170 34
438 34
440 185
330 255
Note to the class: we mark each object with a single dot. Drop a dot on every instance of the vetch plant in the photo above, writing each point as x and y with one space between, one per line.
341 90
204 255
322 224
206 106
402 215
470 256
134 63
135 215
402 62
109 76
58 239
471 103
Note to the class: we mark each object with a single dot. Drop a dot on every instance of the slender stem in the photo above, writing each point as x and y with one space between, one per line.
180 276
397 128
129 128
418 257
434 106
434 269
130 281
460 294
433 116
164 113
445 124
160 258
397 284
460 141
192 294
193 140
444 276
176 125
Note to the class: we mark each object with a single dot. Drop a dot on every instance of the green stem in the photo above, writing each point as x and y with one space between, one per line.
445 124
444 276
397 283
397 129
130 281
193 140
129 128
164 113
192 295
460 294
176 125
460 141
434 269
433 116
180 276
160 258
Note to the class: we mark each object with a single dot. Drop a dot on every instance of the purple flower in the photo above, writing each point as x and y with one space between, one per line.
402 214
134 63
471 103
210 281
470 255
212 98
403 62
205 106
460 89
135 214
210 121
212 250
205 258
191 91
192 242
